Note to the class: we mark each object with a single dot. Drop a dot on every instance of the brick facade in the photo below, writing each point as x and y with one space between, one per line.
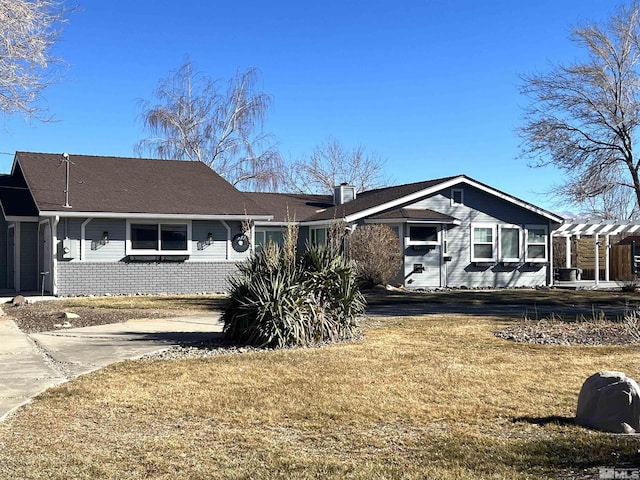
122 278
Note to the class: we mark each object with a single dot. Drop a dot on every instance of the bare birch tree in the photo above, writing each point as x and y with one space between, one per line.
197 119
330 164
584 116
28 30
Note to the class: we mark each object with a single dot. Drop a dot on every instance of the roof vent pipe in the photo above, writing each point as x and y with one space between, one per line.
65 159
343 193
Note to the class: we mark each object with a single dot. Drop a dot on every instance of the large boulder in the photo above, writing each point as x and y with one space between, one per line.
609 402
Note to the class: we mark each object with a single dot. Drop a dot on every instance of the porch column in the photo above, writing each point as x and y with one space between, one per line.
596 245
567 251
607 245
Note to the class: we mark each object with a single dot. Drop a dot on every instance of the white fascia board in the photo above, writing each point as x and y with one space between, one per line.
403 200
160 216
449 183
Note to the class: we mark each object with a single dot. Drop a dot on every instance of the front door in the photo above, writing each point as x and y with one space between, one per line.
423 255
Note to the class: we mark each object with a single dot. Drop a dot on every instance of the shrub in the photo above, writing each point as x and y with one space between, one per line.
277 300
375 249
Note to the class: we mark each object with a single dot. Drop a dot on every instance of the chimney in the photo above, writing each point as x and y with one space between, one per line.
343 193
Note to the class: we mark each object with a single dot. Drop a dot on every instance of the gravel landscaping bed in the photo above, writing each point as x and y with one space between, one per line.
546 332
50 315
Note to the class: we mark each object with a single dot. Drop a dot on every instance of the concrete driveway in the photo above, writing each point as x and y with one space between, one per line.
30 364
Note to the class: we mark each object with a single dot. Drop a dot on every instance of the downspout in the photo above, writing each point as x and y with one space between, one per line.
82 237
226 225
54 253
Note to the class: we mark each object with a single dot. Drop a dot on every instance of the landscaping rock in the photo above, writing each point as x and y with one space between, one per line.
69 315
610 402
18 301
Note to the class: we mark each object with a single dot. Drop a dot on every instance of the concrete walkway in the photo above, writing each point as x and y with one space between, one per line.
30 364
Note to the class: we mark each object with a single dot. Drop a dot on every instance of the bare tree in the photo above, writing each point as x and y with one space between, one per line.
331 164
28 30
583 117
375 248
196 119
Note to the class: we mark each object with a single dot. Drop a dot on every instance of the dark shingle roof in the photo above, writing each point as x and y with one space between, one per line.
374 198
291 206
131 185
414 214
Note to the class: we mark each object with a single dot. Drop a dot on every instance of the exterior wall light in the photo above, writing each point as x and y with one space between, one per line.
105 238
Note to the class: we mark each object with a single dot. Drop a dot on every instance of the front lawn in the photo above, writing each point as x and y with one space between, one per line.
436 396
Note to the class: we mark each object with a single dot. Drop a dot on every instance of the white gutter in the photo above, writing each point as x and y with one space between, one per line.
161 216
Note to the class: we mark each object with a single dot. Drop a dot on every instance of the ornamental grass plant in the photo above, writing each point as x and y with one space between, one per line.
280 299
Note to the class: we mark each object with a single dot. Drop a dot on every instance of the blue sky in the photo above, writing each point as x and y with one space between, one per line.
431 86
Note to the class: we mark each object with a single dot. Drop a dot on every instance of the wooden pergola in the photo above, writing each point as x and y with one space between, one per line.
597 229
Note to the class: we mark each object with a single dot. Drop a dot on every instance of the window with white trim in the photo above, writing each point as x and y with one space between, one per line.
537 239
457 196
319 236
510 243
423 235
264 236
154 238
483 242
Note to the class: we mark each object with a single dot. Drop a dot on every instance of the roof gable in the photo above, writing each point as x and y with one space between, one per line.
375 202
131 186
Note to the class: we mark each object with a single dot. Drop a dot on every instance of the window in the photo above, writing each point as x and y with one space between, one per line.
154 238
173 237
423 235
510 249
319 236
483 243
536 243
457 196
144 237
265 236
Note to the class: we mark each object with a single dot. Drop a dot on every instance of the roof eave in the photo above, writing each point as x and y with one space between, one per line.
82 214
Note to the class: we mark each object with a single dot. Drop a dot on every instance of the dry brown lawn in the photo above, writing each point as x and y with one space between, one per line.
431 397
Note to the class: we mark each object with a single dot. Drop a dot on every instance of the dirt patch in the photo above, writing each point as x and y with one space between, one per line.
573 333
49 315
